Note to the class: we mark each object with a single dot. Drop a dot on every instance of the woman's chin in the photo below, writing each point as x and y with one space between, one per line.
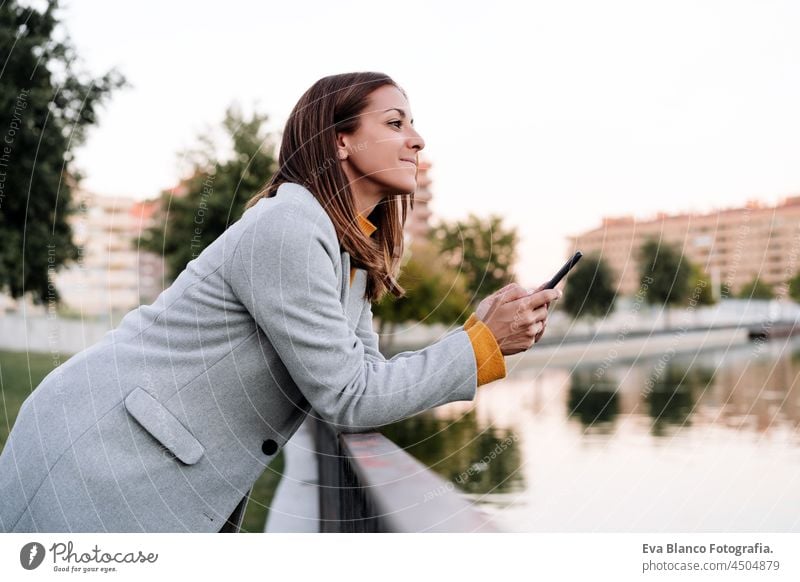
407 186
400 180
399 188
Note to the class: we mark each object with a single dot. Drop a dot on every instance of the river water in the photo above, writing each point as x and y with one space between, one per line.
697 442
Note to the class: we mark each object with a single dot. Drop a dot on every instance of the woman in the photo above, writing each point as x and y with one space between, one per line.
166 423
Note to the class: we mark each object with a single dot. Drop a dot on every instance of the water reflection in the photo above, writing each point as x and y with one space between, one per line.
700 441
476 459
670 394
592 402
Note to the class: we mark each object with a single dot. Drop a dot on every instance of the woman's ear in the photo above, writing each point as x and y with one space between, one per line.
341 146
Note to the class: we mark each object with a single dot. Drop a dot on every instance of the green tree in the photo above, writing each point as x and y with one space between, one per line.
435 293
756 289
484 251
726 290
700 283
219 186
46 109
794 287
589 290
663 274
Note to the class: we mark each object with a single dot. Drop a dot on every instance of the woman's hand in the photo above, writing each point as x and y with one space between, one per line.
517 317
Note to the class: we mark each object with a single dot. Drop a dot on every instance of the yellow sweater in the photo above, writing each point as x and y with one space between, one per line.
490 361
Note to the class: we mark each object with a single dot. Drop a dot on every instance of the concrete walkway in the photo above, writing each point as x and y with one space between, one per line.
295 507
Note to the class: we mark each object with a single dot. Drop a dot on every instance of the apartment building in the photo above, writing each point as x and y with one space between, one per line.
111 275
732 245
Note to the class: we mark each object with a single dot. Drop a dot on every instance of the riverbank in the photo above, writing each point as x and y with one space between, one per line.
625 349
631 332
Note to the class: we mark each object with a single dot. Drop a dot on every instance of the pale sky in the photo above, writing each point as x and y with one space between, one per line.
551 114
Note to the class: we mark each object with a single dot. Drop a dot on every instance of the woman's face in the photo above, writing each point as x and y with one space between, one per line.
382 153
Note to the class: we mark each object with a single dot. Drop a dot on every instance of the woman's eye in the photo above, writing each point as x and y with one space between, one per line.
398 122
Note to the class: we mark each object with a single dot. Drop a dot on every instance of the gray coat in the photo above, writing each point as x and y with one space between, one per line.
165 424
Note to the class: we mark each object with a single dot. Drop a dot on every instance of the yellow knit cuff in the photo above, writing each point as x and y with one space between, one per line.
488 357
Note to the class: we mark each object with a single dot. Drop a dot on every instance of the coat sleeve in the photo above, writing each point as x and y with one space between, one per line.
488 358
366 333
284 271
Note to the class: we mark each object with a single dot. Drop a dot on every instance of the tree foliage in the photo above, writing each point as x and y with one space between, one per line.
46 110
756 289
435 292
700 283
794 287
484 251
665 272
219 186
589 289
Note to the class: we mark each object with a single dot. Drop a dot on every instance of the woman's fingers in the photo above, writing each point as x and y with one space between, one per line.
541 332
537 299
531 323
543 297
511 292
491 303
516 315
540 313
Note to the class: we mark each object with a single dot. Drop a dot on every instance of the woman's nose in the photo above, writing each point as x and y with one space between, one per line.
416 141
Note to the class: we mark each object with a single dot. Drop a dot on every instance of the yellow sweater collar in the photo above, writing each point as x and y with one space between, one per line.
365 225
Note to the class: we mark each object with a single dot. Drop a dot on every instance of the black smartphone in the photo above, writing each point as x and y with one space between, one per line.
563 270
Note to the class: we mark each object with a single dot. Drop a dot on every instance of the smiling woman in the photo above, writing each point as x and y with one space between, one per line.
382 167
362 120
169 420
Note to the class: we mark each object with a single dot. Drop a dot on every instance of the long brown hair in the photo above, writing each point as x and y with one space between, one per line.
308 157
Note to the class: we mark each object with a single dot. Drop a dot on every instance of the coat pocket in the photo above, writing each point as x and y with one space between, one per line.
156 419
